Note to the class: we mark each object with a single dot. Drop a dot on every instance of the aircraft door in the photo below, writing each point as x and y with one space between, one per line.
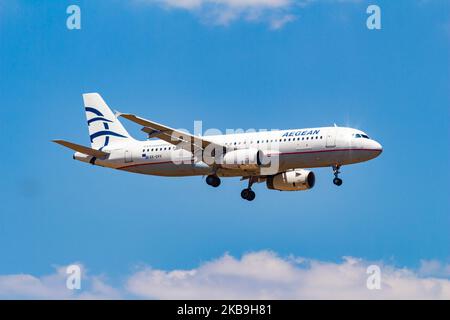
128 156
331 138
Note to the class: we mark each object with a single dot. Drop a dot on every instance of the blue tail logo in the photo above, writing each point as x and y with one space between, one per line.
106 132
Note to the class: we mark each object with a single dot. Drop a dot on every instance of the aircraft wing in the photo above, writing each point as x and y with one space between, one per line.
176 137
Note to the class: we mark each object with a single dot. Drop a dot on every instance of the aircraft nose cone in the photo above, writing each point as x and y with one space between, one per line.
376 146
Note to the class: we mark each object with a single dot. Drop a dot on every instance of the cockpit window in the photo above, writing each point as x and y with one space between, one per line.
360 135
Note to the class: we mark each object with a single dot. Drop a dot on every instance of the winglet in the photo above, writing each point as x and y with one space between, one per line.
117 113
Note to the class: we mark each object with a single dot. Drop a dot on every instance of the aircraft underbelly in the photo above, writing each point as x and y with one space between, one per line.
285 162
323 158
171 169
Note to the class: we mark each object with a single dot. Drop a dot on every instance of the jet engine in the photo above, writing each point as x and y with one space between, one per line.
295 180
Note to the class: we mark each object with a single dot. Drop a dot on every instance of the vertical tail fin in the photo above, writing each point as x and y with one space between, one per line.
104 128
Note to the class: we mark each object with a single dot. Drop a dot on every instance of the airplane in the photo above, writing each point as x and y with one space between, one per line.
280 158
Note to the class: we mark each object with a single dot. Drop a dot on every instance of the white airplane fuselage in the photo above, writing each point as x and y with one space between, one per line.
298 148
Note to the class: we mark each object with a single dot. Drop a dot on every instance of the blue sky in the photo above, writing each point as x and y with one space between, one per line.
179 64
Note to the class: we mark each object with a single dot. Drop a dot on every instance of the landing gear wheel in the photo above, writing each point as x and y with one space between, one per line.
248 194
337 181
244 193
251 195
213 181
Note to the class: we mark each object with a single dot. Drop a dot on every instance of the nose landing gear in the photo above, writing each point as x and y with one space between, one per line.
337 181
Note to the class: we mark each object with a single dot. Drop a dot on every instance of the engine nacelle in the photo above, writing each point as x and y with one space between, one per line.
247 159
295 180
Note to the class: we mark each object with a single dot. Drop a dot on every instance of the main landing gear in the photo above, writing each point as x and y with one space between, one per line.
248 193
337 181
213 180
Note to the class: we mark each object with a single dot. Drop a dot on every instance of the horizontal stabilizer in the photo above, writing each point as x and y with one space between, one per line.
82 149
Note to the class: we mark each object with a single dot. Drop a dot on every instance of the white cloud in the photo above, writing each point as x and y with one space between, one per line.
25 286
222 12
434 268
275 13
264 275
257 275
190 4
278 23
